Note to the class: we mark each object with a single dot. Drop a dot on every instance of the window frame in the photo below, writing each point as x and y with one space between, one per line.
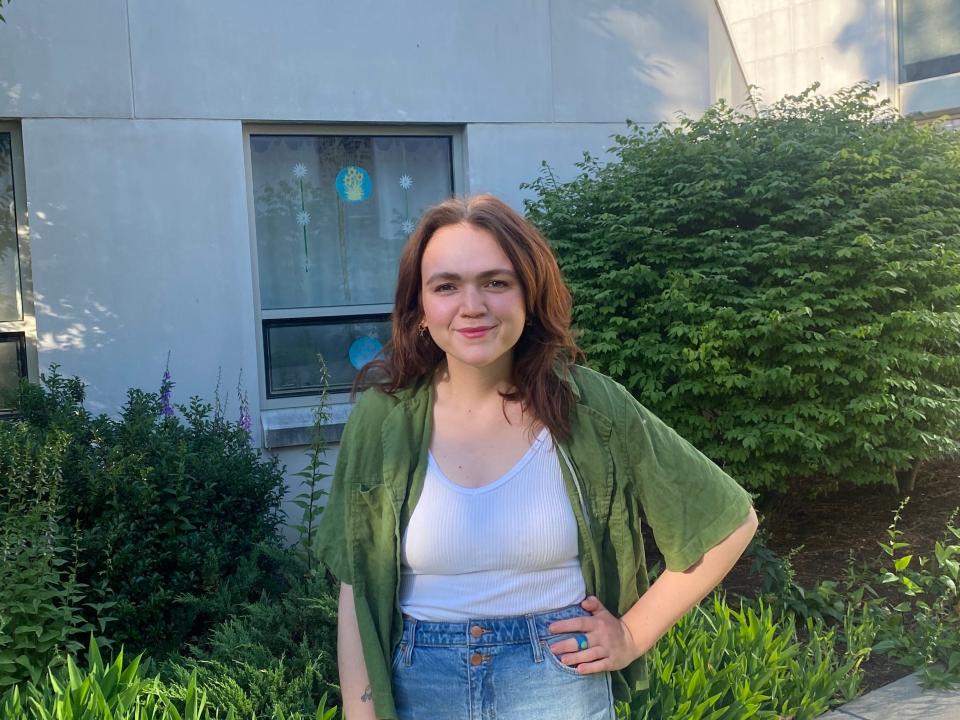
26 326
925 69
373 311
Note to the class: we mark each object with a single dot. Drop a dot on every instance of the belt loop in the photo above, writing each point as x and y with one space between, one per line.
408 653
534 639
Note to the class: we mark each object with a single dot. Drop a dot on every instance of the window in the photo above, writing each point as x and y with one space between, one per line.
18 351
331 213
929 38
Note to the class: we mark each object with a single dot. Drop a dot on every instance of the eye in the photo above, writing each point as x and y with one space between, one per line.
499 284
444 287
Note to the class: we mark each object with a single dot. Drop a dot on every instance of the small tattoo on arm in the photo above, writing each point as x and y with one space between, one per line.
367 695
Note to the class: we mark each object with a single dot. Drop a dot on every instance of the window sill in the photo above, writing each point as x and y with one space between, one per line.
291 427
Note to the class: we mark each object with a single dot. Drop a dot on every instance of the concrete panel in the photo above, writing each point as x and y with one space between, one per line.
501 156
141 247
787 45
417 61
618 60
65 59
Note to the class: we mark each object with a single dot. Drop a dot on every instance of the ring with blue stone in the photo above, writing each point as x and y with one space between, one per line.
582 641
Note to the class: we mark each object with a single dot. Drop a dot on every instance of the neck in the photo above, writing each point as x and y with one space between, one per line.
467 386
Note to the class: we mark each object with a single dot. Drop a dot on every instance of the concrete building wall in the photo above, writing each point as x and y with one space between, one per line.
132 116
785 45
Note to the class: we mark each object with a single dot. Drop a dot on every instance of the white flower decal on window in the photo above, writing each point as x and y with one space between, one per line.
300 170
407 226
303 218
406 182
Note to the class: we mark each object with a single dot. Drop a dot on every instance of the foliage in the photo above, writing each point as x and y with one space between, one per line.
277 654
177 524
721 663
309 500
778 584
922 630
40 598
2 18
782 288
118 691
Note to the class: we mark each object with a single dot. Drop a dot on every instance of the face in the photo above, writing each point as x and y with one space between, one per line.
472 299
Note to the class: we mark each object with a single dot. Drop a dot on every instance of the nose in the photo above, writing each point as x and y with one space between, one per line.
473 303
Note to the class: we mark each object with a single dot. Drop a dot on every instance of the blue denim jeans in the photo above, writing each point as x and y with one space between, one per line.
493 669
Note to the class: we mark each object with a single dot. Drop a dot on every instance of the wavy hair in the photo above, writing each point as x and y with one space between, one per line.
546 345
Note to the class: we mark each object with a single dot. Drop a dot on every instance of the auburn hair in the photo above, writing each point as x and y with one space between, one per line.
546 344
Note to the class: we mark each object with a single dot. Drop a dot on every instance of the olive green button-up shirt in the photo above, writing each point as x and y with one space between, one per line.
621 464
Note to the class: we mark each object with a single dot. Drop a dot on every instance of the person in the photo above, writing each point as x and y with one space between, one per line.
484 516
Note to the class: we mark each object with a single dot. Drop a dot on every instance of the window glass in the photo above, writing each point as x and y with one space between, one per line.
333 212
929 38
11 367
345 344
9 261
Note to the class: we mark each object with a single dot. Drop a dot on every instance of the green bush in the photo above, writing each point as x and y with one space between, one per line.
720 663
781 289
40 598
176 524
277 654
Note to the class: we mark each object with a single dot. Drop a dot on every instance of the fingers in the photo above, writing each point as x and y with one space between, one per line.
583 656
579 624
564 646
571 625
601 665
592 605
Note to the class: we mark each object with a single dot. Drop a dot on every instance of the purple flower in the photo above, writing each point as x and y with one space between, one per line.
245 420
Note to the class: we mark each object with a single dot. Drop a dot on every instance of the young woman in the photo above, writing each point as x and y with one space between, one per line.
484 519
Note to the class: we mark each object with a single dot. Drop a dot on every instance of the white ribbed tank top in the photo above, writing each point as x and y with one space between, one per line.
506 548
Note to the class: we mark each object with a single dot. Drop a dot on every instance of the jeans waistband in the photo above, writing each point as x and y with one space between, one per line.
485 631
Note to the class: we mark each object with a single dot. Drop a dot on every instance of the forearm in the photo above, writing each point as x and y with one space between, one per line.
673 593
354 683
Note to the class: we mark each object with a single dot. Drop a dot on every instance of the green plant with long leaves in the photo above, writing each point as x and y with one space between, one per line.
310 500
724 663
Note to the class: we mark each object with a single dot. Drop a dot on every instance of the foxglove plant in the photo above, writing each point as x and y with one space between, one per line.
165 388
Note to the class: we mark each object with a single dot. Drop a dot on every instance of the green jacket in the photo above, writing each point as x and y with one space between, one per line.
621 464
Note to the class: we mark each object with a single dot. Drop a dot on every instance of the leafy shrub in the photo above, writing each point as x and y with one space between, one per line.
727 664
277 654
920 617
40 598
782 289
177 524
118 691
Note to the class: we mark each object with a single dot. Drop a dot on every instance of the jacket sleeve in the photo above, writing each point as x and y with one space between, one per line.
689 502
333 546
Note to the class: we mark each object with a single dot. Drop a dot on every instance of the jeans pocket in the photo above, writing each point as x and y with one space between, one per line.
398 656
554 660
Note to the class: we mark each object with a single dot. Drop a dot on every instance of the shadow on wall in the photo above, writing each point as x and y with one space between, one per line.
643 61
866 37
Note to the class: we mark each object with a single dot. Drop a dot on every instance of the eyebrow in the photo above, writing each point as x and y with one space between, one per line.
480 276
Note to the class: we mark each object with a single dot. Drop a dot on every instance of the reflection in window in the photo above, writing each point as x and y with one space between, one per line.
10 306
332 213
929 38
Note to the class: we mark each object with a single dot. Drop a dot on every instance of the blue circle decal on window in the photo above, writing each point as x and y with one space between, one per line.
353 184
363 350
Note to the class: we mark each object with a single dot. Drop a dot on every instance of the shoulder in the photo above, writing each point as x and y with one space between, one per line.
598 391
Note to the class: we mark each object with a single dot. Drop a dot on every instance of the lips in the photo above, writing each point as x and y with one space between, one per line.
474 332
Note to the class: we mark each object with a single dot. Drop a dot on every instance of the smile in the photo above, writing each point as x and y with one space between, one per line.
477 332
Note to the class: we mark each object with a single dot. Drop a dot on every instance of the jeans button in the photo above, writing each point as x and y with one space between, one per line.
476 631
476 659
